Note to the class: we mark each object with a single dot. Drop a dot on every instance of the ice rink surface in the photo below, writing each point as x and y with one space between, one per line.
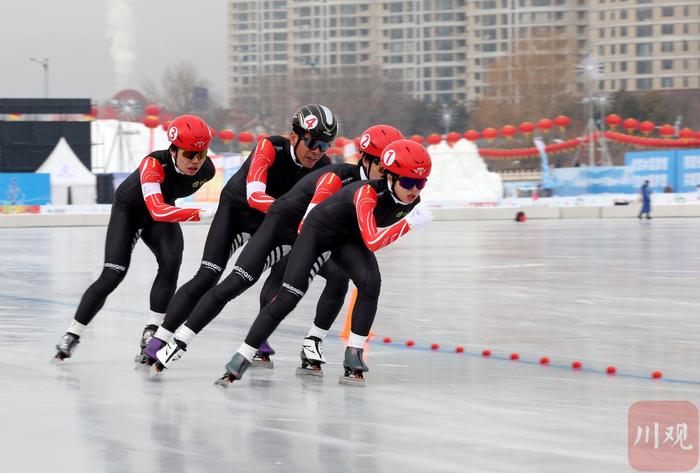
604 292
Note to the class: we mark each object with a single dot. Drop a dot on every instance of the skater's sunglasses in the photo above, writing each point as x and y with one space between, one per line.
409 183
313 143
192 155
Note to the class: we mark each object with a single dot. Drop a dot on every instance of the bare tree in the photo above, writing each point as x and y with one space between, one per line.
539 81
181 90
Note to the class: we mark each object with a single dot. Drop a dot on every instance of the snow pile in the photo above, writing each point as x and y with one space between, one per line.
459 175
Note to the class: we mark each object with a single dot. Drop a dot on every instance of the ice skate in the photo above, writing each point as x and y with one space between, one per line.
311 357
150 356
262 356
146 337
66 346
234 370
166 356
354 367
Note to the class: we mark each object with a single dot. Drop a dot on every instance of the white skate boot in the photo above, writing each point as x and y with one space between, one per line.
311 357
168 355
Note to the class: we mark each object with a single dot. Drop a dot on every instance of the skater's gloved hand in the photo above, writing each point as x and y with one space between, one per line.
206 214
419 217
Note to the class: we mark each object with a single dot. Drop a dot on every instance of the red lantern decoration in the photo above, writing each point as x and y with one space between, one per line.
630 125
697 135
686 134
341 141
434 139
417 139
92 114
489 133
335 151
667 131
245 137
226 136
646 127
151 110
151 121
545 124
508 131
453 137
472 135
526 128
613 120
562 121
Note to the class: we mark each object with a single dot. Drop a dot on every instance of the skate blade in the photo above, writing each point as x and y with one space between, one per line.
223 383
142 366
262 364
56 360
309 372
154 372
352 381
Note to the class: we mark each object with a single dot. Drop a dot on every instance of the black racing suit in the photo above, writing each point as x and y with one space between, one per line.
331 229
274 238
130 220
235 221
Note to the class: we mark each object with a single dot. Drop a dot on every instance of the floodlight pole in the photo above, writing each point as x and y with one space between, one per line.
45 65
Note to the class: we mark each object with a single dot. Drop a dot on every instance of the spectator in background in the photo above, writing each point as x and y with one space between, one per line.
645 191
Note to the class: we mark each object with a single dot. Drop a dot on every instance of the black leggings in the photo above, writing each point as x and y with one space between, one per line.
229 230
307 256
332 297
165 241
272 241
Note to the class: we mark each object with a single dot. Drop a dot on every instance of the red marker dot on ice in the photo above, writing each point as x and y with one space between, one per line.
657 375
514 356
459 349
576 365
434 346
486 353
410 343
611 370
544 360
387 340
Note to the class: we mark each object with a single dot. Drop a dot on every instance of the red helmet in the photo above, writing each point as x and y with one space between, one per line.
375 138
190 133
407 158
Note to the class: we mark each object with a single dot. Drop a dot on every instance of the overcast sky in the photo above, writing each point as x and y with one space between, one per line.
96 47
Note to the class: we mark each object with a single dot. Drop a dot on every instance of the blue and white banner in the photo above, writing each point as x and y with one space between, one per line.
688 170
25 189
658 167
593 180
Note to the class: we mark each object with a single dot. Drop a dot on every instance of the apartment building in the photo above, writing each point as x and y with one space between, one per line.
443 50
646 45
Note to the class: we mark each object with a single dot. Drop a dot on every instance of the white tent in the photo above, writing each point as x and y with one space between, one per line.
68 174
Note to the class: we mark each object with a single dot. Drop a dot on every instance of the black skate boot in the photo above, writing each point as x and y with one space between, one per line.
234 370
148 332
311 357
262 356
66 346
354 367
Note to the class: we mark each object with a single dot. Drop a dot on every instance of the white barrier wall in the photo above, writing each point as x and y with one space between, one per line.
440 214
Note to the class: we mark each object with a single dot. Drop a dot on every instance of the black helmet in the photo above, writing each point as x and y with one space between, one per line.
316 119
